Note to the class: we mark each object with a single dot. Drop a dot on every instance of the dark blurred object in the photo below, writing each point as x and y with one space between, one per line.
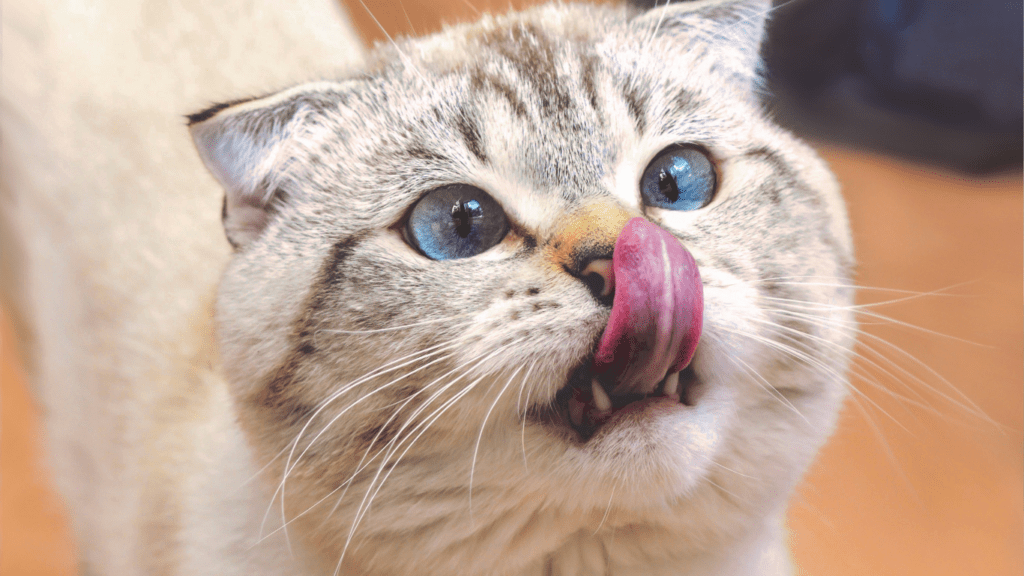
930 80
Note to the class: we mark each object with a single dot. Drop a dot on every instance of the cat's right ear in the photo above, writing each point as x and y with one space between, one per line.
733 29
248 146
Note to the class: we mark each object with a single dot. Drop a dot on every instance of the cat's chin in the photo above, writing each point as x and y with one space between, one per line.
656 448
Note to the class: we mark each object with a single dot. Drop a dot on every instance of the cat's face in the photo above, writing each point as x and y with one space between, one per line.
416 358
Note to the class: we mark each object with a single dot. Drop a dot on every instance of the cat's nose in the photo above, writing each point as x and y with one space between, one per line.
597 275
583 246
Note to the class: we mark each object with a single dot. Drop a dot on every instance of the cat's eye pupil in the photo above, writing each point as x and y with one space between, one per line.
680 177
462 215
667 186
456 221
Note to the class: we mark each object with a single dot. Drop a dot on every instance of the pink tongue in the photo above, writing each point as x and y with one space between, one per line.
657 311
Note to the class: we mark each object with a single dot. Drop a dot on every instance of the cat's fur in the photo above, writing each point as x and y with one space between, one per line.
338 341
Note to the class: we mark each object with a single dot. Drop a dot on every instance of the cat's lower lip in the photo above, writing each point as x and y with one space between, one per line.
583 405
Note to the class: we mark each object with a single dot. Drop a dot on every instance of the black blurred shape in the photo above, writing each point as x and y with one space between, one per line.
930 80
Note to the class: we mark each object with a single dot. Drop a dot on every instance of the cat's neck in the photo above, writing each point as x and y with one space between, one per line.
759 552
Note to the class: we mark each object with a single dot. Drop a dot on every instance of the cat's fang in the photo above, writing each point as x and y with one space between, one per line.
601 400
672 384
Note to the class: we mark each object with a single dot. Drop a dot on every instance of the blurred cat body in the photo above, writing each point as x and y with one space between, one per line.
321 402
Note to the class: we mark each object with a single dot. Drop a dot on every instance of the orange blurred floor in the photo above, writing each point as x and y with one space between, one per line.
34 538
921 485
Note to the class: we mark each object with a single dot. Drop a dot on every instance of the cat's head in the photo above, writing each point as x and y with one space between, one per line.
438 261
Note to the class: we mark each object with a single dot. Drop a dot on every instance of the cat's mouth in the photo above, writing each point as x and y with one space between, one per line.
585 404
640 364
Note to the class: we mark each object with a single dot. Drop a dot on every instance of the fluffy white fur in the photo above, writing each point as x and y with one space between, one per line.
112 230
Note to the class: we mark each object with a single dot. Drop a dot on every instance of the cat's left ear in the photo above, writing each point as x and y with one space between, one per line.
248 146
732 30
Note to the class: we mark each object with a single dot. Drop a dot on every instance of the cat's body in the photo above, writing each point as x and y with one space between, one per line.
343 349
112 226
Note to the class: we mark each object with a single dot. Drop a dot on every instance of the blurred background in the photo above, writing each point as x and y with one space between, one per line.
917 107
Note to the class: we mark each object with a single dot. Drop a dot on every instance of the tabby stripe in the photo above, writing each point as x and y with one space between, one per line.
481 81
587 78
533 57
792 182
636 102
684 102
420 152
470 131
783 172
279 393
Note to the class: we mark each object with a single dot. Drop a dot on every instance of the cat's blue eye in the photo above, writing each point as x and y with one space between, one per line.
456 221
679 178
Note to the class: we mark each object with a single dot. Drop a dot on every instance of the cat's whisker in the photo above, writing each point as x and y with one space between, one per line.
883 319
309 509
832 282
389 367
401 327
484 359
336 417
401 405
736 472
362 464
963 403
607 510
405 57
653 33
471 7
886 447
793 335
864 309
264 468
392 447
772 390
856 370
260 537
480 436
812 362
526 408
734 498
412 28
364 506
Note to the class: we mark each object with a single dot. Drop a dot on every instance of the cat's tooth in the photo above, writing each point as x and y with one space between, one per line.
672 384
601 399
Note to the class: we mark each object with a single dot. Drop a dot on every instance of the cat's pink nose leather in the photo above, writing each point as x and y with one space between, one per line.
657 310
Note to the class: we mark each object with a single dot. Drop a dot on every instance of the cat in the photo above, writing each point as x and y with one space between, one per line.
526 296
